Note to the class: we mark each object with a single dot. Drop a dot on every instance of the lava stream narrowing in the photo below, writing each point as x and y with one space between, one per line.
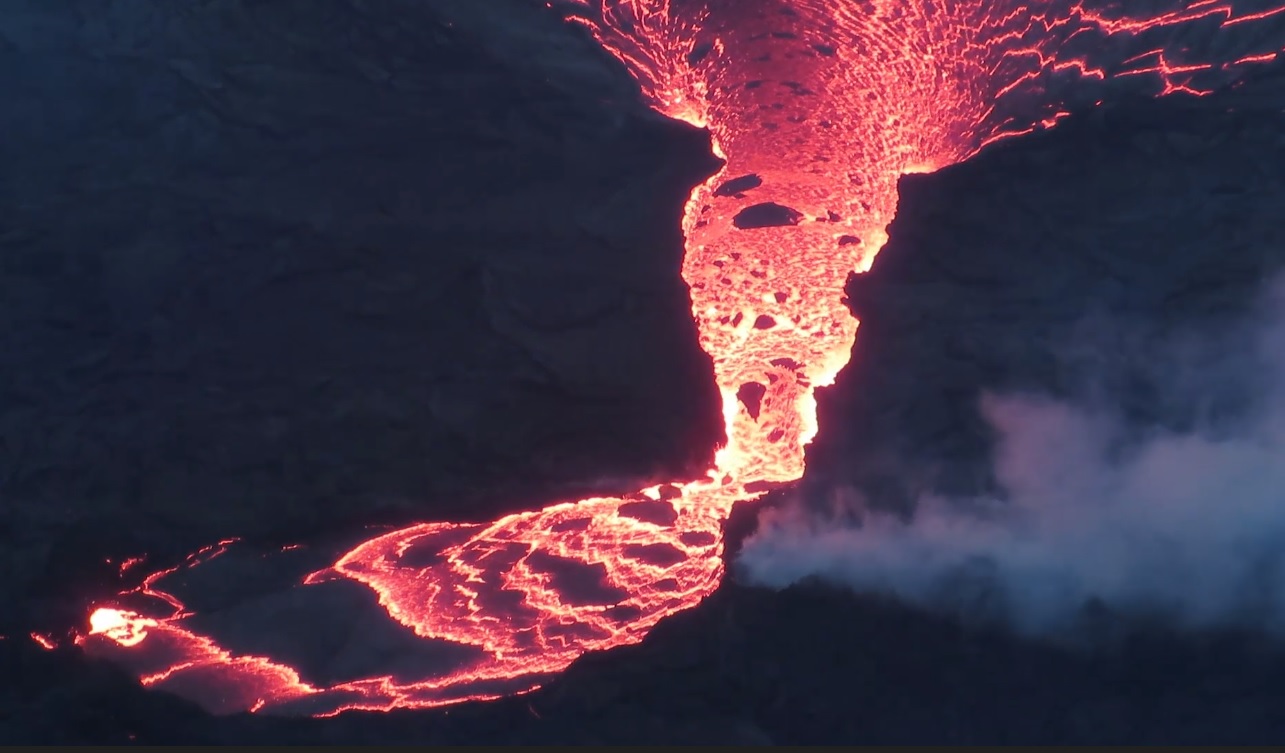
818 107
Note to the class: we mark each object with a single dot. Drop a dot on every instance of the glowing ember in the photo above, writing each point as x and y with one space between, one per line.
44 641
819 107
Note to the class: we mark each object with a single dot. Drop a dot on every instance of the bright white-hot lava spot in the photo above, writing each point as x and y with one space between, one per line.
818 108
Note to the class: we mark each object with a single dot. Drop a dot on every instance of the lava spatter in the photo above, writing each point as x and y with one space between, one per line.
818 108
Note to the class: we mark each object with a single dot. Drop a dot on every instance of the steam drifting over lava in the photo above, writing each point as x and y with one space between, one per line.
818 107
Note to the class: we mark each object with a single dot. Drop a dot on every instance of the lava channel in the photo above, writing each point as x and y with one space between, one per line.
818 108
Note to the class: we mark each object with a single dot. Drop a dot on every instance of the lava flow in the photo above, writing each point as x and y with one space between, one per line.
818 108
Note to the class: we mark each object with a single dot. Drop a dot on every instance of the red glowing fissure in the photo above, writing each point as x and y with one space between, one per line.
826 104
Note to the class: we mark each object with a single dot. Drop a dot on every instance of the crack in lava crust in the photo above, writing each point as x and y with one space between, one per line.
818 107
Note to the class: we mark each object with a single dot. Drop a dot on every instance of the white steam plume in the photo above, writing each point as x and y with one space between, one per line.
1188 527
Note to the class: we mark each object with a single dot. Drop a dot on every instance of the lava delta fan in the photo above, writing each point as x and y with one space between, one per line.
818 108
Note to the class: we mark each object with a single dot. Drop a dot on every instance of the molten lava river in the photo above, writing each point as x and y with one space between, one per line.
818 107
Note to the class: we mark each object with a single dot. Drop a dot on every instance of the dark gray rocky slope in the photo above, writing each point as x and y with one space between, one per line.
1072 264
270 269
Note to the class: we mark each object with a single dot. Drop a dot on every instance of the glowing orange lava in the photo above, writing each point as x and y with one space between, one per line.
818 107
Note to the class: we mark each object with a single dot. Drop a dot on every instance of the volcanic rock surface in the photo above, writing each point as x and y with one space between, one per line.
1065 264
317 218
271 269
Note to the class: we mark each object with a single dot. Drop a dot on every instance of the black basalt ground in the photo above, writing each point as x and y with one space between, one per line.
274 270
391 239
1066 264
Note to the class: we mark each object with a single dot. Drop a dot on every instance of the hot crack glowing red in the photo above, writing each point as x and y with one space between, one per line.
818 108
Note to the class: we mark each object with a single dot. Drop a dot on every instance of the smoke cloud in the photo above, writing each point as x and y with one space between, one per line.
1095 515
